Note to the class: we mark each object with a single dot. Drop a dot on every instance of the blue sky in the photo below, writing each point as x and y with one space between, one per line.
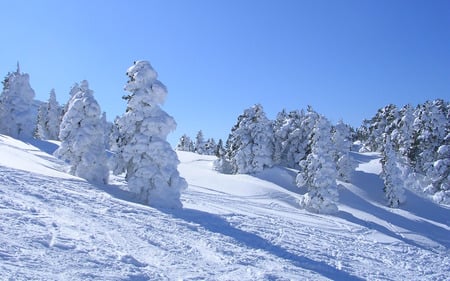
217 58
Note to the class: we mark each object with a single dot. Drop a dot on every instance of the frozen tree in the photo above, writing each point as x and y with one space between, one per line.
280 133
82 136
384 122
392 176
250 143
139 141
220 150
17 115
342 142
200 143
185 144
107 128
291 133
401 136
431 126
439 174
318 172
49 118
210 147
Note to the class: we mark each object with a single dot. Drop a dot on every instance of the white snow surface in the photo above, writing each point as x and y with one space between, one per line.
55 226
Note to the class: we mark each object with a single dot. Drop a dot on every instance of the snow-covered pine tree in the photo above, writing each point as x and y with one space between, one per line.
220 150
318 172
185 144
401 136
17 115
251 145
431 126
384 122
49 118
139 141
439 174
342 143
280 135
200 143
391 175
210 146
82 136
108 128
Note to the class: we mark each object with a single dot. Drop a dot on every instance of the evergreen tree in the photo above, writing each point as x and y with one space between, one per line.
402 135
200 143
439 174
108 128
251 143
139 141
82 136
220 151
17 115
210 147
49 118
342 142
318 172
391 175
384 122
280 133
185 144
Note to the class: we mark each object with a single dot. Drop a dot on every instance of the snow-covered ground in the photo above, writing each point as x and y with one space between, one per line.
233 227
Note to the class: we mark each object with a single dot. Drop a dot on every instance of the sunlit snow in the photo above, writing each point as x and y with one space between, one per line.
55 226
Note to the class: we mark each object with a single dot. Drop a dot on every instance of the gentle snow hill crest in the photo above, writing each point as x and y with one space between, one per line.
232 227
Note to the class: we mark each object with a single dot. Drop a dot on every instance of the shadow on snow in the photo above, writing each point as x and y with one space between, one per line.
219 225
421 207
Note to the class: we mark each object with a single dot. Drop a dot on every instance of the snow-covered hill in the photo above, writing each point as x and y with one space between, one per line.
233 227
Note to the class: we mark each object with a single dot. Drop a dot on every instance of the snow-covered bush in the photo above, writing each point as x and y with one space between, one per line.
82 136
139 141
17 115
318 172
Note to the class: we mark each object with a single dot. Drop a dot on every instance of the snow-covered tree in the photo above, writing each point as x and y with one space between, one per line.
139 141
200 143
439 174
185 144
220 150
342 142
210 147
392 176
384 122
250 143
17 115
82 136
107 128
318 172
49 118
402 135
291 133
431 126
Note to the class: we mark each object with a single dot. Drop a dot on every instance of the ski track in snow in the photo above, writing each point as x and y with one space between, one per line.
231 228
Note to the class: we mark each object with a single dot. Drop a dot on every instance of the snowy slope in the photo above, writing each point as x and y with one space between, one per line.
233 227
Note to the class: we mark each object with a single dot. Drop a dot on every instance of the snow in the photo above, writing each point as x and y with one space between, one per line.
56 226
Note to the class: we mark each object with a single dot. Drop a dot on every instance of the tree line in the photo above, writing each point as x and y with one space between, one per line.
414 142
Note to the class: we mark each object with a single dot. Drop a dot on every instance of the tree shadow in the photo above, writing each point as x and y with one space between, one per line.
422 227
362 158
219 225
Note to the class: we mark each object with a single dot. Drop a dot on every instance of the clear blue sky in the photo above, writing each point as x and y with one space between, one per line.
345 58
